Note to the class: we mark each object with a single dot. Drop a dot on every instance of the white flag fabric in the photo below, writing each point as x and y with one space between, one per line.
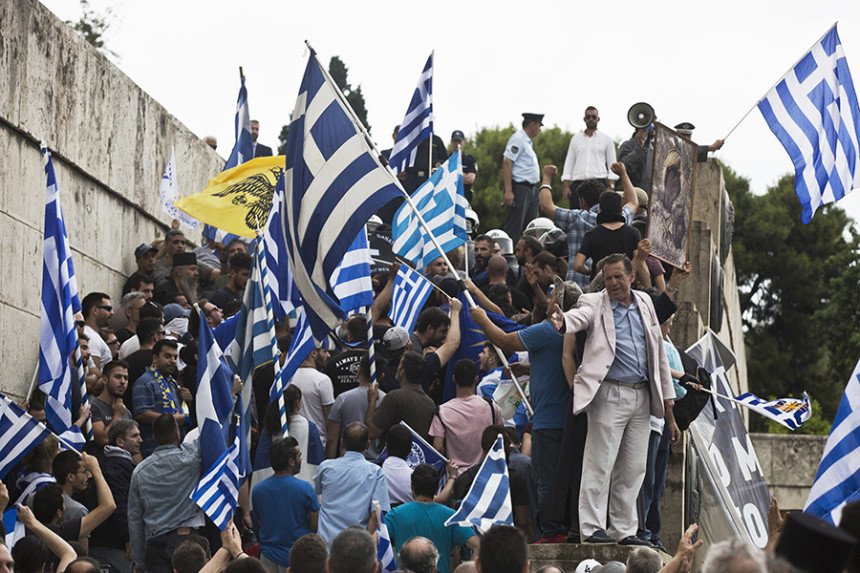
170 193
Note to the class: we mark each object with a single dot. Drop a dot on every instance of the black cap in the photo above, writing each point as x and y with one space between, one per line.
533 117
812 544
143 249
685 128
457 135
183 259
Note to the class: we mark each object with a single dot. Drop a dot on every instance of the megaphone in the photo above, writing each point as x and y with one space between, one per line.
640 115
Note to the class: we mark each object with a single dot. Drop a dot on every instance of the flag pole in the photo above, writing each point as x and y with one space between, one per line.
755 105
421 221
33 382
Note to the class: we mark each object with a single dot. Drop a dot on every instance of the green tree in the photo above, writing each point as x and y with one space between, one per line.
488 145
92 26
794 282
339 72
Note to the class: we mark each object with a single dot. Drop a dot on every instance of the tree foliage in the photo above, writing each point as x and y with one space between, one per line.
488 145
93 25
339 73
799 293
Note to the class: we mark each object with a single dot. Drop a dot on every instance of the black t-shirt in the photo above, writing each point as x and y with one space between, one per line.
470 165
342 368
601 242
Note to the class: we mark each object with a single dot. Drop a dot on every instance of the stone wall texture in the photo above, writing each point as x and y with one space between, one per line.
110 143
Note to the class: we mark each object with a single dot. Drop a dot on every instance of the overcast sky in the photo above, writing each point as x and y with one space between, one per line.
706 63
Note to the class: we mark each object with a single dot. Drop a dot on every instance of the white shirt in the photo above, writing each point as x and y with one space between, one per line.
589 157
317 391
398 476
129 347
98 347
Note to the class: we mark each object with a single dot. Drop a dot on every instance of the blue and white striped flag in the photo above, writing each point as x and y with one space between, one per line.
790 412
214 398
301 345
417 124
217 493
384 547
441 202
19 433
351 279
332 185
408 296
58 337
488 502
838 480
243 150
814 113
285 295
15 529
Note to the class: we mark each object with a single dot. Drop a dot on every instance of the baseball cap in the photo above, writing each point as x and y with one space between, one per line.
395 338
142 249
457 135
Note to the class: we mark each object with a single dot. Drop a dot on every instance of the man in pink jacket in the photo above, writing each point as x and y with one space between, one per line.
623 378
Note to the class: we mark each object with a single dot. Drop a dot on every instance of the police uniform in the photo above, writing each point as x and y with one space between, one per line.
525 173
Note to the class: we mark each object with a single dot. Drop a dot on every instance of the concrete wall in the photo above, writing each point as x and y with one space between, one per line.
110 142
789 463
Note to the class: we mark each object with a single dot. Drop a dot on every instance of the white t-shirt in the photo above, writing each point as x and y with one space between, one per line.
317 392
98 347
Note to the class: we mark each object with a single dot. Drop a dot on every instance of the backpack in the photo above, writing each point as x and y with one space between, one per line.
688 408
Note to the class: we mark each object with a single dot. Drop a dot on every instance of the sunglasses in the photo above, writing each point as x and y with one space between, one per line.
107 307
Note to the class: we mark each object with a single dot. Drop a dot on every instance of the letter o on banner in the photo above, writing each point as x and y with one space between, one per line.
755 525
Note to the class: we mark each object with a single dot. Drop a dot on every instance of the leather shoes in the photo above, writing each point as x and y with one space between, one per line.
633 540
599 537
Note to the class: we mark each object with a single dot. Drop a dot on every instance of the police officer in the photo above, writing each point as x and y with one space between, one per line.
521 171
470 164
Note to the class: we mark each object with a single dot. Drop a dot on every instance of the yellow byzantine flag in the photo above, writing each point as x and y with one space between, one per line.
237 200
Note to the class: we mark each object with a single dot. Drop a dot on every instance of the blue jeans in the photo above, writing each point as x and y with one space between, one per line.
546 452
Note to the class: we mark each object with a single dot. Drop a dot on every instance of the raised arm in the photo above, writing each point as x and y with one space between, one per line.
452 341
55 543
547 207
507 341
630 198
106 504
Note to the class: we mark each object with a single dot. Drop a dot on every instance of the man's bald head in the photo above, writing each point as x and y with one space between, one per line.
497 267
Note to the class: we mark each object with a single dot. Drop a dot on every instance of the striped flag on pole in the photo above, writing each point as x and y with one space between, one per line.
408 296
790 412
333 183
417 124
19 433
58 337
837 482
214 399
441 202
488 502
285 296
243 150
384 547
217 493
813 111
351 279
302 344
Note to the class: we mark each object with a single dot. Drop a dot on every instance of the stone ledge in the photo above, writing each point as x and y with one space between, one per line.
569 555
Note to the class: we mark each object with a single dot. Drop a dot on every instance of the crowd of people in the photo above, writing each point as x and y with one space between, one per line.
573 306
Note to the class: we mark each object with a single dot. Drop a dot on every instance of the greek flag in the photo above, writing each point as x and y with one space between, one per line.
170 193
332 185
255 343
214 400
15 529
488 502
814 113
408 296
351 279
384 547
285 296
790 412
58 337
301 345
19 433
217 493
417 124
243 150
441 203
838 480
